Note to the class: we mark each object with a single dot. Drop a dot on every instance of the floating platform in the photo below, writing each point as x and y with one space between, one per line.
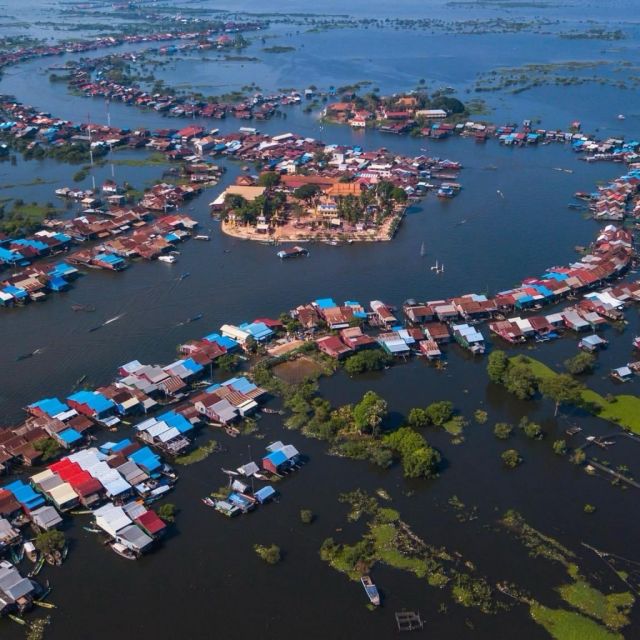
409 621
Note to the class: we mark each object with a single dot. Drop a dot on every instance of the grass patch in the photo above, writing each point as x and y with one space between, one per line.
199 454
623 410
567 625
612 609
151 160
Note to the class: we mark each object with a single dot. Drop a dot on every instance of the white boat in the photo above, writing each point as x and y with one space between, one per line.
168 259
202 237
122 551
371 590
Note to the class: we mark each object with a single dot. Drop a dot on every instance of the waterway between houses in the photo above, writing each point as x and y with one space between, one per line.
206 580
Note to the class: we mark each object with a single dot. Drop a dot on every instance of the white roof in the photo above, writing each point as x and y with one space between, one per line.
111 519
63 493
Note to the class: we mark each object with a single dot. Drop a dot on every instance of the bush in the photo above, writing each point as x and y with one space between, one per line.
439 412
270 554
480 416
580 363
511 458
531 429
306 516
369 360
560 447
502 430
167 512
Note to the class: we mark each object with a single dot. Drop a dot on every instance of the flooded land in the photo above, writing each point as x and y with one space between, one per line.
319 320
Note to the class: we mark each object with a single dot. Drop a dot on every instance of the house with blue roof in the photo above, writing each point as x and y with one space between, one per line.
223 341
48 407
92 404
259 330
25 495
281 458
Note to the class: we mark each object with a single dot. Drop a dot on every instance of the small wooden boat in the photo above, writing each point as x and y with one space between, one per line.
46 605
38 568
122 551
371 590
16 618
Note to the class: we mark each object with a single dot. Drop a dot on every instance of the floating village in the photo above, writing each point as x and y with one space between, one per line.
106 456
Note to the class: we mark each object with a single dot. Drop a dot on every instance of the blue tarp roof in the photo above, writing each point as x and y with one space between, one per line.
6 255
62 269
192 365
552 275
258 330
30 242
119 446
146 458
325 303
24 494
223 341
58 283
276 457
69 436
15 291
176 420
50 406
242 384
94 400
265 493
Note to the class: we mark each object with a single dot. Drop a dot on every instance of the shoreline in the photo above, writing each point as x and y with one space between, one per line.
385 233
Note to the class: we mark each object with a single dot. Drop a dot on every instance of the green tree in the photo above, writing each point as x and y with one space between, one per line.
421 463
560 447
48 447
307 192
269 179
520 380
582 362
228 362
418 418
562 389
167 512
502 430
531 429
439 412
48 542
369 413
511 458
497 365
480 416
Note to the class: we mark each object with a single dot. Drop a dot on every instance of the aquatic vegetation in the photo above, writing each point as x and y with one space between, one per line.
569 625
480 416
389 540
306 516
511 458
612 609
270 554
502 430
199 454
278 49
